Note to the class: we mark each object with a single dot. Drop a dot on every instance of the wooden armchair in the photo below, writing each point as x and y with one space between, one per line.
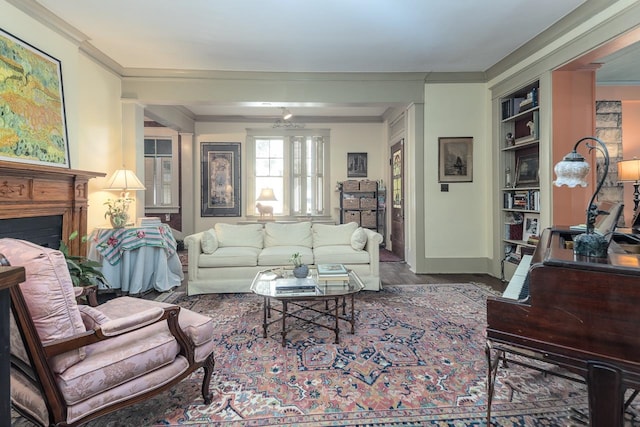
71 362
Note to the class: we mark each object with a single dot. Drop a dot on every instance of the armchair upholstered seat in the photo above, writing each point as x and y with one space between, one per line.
72 362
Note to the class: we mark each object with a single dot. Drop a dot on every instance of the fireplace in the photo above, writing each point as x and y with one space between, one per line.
48 203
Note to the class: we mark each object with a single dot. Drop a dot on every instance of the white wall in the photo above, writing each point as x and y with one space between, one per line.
344 138
456 221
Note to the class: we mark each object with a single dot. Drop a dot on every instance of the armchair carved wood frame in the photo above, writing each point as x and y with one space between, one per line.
66 370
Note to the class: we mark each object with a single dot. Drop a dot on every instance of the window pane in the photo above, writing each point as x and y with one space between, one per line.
277 148
163 147
262 167
149 147
262 148
277 167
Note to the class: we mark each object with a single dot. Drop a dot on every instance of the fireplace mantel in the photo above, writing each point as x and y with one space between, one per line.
29 190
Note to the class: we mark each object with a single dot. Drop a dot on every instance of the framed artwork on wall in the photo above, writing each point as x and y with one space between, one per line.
220 174
357 165
33 127
455 159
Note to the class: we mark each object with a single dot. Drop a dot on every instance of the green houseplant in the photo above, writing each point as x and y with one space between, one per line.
300 270
83 271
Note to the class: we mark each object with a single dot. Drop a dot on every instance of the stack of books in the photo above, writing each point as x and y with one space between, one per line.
333 272
295 286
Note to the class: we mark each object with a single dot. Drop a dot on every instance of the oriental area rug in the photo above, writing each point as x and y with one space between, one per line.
416 359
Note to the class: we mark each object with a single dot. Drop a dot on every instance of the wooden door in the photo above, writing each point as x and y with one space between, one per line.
397 199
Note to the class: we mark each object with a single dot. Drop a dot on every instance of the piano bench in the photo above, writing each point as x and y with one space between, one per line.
516 288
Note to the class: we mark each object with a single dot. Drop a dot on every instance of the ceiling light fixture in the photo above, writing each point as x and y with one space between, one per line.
286 114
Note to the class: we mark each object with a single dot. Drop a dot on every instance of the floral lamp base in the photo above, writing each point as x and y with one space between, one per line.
118 221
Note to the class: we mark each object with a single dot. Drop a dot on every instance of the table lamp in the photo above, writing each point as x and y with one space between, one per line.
572 171
629 171
124 180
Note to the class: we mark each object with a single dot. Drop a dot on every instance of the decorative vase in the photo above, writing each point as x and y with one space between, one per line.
118 221
301 271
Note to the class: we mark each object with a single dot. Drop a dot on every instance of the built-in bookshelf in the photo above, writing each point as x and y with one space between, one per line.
520 187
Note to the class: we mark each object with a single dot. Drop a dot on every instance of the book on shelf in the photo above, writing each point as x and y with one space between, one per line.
332 269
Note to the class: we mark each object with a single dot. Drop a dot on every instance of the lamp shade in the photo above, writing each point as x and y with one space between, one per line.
571 171
124 179
629 170
266 195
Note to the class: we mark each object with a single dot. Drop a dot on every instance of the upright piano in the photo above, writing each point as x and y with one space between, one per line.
582 314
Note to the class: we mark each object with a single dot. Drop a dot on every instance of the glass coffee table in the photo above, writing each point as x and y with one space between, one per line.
314 298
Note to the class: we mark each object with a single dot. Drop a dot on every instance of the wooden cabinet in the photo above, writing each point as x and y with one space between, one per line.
361 201
520 185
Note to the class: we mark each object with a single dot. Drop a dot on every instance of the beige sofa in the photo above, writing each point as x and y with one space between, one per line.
227 257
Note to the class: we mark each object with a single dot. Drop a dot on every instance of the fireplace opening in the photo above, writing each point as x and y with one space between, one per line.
42 230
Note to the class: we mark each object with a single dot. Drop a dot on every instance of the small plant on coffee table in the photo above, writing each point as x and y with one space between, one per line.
300 270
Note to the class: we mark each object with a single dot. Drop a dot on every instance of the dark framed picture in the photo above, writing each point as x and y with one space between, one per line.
220 165
527 170
33 127
357 165
455 159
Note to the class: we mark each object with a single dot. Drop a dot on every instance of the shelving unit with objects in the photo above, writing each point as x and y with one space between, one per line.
519 143
363 202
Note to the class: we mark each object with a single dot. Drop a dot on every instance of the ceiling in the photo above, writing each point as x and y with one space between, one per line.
307 36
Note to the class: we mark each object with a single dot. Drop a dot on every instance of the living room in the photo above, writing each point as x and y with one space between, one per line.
115 107
456 230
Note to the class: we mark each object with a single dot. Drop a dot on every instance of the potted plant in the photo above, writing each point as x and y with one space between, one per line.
117 211
83 271
300 270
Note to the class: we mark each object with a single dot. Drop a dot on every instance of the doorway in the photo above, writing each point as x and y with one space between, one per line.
397 199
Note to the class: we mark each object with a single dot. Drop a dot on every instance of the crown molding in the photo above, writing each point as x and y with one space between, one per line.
43 15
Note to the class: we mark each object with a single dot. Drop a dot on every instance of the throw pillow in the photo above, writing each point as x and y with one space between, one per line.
209 242
330 235
248 235
359 239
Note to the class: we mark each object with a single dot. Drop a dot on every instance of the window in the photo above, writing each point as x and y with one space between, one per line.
293 166
161 174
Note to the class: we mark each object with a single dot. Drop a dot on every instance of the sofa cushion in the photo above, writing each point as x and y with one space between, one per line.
49 295
341 254
329 235
279 255
209 241
297 234
359 239
240 256
250 235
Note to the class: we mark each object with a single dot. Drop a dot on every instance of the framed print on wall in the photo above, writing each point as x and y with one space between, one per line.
455 159
220 174
357 165
33 127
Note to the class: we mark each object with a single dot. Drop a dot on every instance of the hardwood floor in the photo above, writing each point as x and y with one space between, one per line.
398 273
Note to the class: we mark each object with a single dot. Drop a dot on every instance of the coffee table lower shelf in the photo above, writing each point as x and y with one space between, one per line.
293 306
